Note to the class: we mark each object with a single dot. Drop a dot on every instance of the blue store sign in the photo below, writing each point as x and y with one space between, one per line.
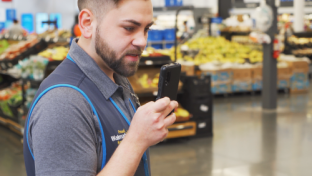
2 25
10 14
27 21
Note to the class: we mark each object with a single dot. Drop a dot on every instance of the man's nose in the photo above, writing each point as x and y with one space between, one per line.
140 40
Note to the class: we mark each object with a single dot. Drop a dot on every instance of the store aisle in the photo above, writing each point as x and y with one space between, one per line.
246 142
11 154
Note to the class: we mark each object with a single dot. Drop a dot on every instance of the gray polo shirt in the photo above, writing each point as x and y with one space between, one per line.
63 132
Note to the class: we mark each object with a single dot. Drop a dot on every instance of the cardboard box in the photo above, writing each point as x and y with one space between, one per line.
188 69
284 73
299 66
299 81
242 80
283 83
242 74
257 73
221 88
241 86
257 85
221 75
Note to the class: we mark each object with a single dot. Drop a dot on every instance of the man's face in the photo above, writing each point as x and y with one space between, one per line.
121 35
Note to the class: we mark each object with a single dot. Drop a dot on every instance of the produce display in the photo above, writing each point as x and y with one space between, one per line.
31 69
180 112
300 46
55 54
219 49
151 52
3 45
56 33
147 82
10 97
16 49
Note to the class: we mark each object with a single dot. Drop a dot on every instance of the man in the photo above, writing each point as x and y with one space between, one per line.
79 122
15 29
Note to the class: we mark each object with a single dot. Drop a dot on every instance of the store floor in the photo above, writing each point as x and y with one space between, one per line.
246 142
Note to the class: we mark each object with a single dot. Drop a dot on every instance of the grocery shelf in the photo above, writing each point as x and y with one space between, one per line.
155 61
280 10
9 63
303 34
56 40
170 8
7 80
160 42
13 37
33 83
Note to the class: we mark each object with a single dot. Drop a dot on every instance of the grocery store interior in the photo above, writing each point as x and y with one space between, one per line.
244 89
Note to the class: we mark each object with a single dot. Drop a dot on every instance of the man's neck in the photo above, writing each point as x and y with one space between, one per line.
89 48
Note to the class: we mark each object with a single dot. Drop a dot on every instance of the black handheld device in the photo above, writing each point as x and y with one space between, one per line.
169 78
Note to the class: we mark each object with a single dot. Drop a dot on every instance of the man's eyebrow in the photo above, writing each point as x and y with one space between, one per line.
139 24
150 24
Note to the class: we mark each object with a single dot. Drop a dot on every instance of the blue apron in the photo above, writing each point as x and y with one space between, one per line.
68 74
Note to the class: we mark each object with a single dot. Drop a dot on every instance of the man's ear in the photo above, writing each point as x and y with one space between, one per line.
86 19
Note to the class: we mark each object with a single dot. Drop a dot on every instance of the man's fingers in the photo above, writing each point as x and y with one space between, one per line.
170 120
170 108
160 105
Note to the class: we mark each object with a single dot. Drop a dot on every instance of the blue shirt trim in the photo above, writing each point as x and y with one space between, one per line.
71 59
93 109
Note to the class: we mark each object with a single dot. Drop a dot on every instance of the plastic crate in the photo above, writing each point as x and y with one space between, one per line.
169 45
198 106
170 2
179 3
204 128
157 46
169 34
197 87
155 35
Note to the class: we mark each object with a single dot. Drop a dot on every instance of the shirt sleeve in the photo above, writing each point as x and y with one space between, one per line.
62 135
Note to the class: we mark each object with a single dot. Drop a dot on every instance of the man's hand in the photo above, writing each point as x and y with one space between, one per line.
150 123
148 127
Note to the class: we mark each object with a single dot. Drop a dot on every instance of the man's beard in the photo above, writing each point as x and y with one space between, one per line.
109 56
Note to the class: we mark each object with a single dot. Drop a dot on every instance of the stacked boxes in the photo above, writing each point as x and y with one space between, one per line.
299 80
221 80
283 75
257 78
188 68
242 80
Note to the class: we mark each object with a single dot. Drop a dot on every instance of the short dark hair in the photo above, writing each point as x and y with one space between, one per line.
15 21
87 3
96 6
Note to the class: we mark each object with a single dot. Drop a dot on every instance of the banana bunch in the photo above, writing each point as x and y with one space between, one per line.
181 112
57 53
221 50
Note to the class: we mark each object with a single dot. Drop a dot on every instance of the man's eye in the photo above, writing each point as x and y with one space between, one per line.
129 29
147 29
